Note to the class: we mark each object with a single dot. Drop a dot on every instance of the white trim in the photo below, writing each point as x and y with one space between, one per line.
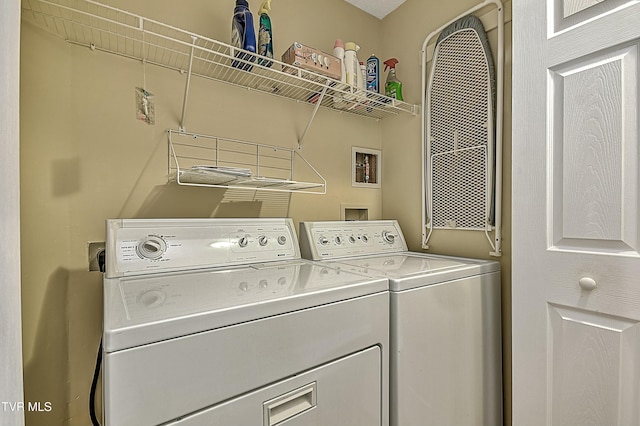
11 386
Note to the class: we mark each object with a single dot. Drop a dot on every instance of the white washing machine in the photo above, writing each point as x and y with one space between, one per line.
220 322
445 355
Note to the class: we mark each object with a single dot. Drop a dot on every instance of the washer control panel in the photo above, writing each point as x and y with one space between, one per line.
331 240
142 246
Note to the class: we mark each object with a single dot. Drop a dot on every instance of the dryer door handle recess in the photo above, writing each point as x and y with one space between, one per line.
290 404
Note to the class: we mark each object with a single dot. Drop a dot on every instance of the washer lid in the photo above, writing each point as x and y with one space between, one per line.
409 270
145 309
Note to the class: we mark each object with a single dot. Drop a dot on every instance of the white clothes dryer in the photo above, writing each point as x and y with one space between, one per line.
220 322
446 357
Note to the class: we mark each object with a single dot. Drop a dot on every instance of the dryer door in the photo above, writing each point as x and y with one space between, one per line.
346 391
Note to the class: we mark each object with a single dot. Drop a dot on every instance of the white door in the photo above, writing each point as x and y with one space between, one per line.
11 389
576 213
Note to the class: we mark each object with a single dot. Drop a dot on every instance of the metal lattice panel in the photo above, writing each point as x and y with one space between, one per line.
459 182
460 124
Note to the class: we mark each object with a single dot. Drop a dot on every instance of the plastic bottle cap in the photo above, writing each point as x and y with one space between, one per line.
338 43
350 46
265 7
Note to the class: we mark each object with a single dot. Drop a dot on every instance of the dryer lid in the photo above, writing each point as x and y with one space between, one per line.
144 309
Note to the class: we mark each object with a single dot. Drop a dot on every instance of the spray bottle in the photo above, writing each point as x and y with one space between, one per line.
393 86
265 34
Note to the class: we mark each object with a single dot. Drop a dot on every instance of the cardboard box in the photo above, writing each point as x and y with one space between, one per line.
311 59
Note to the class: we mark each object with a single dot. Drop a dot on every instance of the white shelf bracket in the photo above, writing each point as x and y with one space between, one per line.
313 114
186 88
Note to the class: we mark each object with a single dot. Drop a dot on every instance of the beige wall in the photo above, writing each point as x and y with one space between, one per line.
85 158
403 32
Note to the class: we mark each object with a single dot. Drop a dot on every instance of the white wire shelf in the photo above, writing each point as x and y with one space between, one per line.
204 160
104 28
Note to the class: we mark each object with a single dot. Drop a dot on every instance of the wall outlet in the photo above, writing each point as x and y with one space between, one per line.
95 248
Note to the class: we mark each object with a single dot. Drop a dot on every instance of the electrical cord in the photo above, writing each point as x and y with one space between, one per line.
94 385
101 257
96 373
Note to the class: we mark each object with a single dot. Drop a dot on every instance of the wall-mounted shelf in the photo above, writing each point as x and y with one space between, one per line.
203 160
105 28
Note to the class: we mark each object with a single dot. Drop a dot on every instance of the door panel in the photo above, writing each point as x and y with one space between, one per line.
347 391
594 154
572 12
576 213
594 368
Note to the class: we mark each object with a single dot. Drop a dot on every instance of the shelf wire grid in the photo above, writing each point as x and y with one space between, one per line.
213 161
104 28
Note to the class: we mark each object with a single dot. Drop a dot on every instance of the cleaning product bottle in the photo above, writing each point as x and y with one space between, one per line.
393 86
373 74
338 52
362 78
265 34
243 36
351 64
352 69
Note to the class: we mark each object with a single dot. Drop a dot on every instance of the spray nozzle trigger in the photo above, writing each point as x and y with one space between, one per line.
390 63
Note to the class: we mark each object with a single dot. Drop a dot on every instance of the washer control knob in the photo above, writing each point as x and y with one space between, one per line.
388 237
338 240
324 241
263 240
282 240
352 239
151 247
243 241
365 239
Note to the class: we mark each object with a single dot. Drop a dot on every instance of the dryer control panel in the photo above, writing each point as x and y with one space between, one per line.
336 239
143 246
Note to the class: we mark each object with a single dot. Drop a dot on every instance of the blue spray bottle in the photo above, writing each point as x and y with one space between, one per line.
243 36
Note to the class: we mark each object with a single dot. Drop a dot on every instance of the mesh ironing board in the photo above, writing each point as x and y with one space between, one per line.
460 123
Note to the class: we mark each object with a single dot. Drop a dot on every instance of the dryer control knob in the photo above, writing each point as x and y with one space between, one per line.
263 240
388 237
243 241
151 247
282 239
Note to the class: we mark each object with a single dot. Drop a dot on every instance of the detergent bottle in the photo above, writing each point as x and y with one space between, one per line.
265 34
351 63
243 35
338 52
393 86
